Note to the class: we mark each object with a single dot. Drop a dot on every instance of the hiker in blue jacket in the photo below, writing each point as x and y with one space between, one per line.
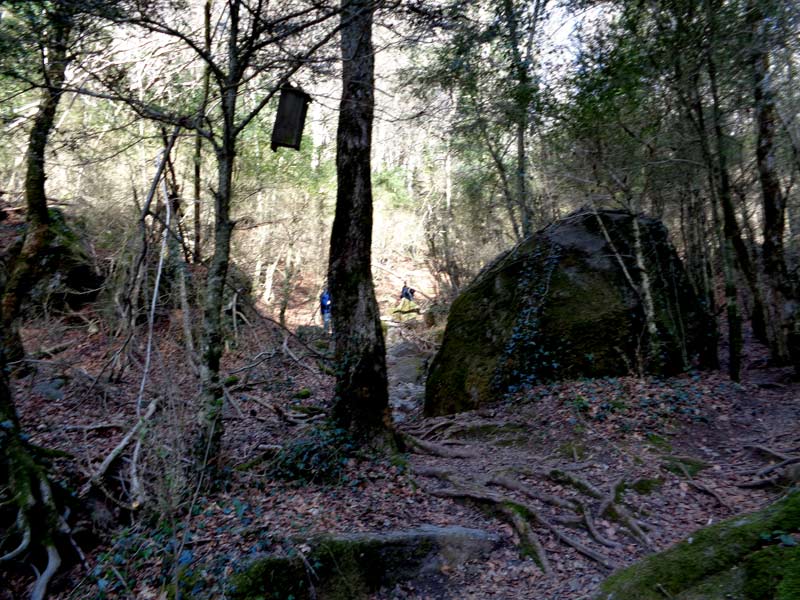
325 309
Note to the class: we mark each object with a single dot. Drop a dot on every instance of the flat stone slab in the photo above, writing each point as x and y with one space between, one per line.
352 566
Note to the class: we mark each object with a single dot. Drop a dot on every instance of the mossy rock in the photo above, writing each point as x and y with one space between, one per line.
773 574
738 558
70 276
559 305
350 567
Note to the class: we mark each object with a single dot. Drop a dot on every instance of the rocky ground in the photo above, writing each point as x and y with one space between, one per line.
577 478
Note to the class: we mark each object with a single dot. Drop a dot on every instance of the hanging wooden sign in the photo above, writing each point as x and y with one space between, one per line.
290 118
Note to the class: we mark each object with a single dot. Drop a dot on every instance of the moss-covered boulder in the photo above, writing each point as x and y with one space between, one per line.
568 302
70 276
750 557
349 567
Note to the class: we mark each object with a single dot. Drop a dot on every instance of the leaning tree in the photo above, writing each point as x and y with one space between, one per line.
38 41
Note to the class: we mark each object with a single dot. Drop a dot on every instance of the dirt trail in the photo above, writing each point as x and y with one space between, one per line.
604 472
668 455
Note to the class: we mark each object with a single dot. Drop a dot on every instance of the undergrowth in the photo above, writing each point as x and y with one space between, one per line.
319 456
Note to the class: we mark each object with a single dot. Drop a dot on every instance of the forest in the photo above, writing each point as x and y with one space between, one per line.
400 299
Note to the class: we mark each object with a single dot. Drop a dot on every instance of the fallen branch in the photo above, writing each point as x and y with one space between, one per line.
137 491
288 352
92 427
230 400
115 453
274 408
258 359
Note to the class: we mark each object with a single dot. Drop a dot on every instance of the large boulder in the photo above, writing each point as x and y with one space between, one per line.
568 302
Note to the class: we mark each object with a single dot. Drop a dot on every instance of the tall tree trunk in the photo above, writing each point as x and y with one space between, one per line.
210 435
361 402
773 199
25 489
731 227
696 114
209 439
26 268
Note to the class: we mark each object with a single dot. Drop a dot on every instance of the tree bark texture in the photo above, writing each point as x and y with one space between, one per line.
25 268
209 438
210 417
361 402
782 305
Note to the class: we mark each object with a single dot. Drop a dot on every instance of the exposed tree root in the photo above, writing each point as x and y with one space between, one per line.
609 504
517 486
588 520
424 447
522 516
701 487
53 562
22 525
560 476
527 537
38 521
776 473
769 451
781 465
427 432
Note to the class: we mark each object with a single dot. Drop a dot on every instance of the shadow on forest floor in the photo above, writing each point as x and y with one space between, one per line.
603 471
